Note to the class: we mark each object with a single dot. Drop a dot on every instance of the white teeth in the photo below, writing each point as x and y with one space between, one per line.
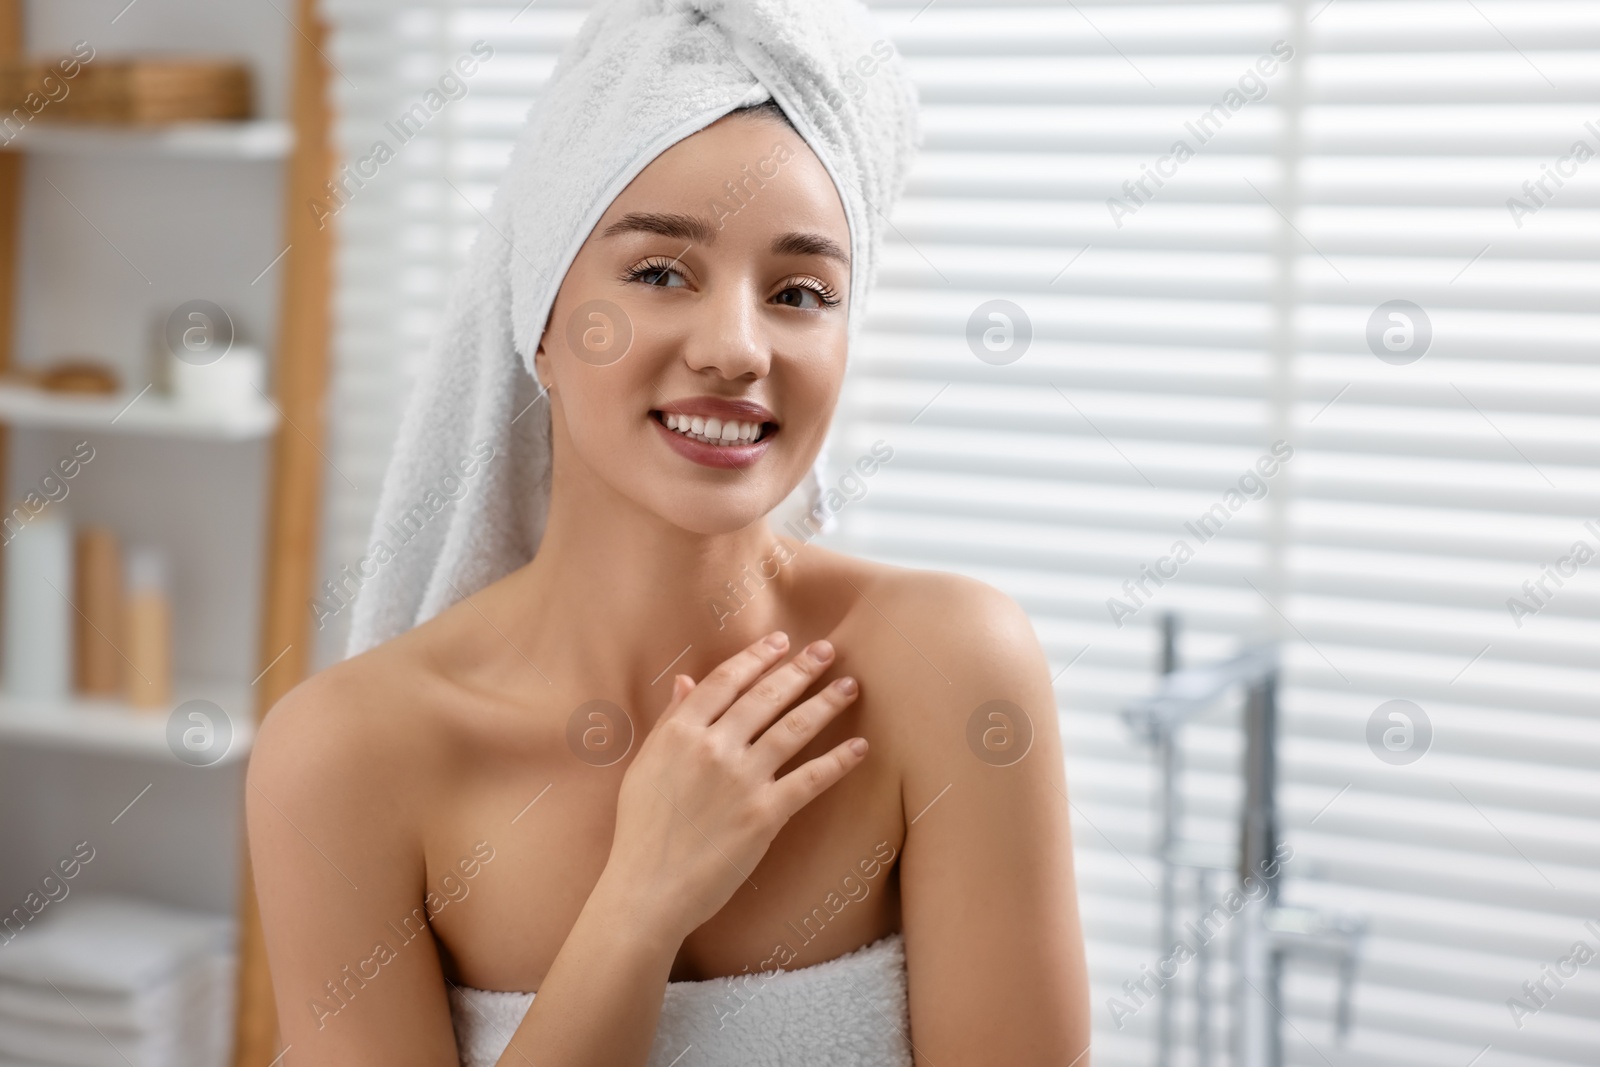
713 431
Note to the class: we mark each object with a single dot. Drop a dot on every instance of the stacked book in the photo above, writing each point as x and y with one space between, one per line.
108 981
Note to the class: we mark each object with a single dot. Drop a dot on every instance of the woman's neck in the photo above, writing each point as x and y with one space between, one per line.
617 592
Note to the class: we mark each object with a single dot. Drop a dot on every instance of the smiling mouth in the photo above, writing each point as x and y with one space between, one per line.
724 433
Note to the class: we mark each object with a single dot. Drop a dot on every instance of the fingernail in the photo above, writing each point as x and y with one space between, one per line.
777 639
859 746
846 685
821 651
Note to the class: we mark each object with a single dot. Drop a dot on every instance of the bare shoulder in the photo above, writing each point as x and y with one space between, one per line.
956 661
962 631
343 737
950 608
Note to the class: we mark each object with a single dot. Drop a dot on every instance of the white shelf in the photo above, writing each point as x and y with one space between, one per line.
259 139
152 414
88 724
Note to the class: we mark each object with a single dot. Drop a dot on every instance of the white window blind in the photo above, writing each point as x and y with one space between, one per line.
1186 309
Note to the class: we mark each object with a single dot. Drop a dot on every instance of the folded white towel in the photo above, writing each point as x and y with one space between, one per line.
111 944
640 76
113 981
193 1029
163 1003
847 1012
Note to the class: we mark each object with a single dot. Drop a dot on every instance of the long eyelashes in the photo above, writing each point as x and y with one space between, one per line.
658 266
825 294
651 266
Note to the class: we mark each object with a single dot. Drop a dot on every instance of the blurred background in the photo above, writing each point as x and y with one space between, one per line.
1251 347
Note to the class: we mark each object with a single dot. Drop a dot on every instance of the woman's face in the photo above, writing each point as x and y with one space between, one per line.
696 347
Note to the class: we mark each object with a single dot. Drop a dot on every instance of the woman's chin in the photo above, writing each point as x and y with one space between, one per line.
714 521
709 512
700 499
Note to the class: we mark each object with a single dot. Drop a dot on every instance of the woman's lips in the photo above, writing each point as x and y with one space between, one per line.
707 455
719 407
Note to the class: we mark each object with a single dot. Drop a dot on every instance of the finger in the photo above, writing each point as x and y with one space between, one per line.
779 743
777 691
811 779
731 677
674 698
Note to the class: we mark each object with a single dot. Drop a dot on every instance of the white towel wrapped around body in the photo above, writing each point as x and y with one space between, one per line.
640 76
847 1012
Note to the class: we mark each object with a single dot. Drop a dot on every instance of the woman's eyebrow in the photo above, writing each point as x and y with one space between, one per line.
809 244
667 224
693 228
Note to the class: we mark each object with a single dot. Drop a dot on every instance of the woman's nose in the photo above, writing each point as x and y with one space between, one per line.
729 337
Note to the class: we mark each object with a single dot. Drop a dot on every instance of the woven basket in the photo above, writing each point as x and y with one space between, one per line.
136 90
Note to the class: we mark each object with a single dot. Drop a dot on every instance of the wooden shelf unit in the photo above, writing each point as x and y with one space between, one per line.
290 425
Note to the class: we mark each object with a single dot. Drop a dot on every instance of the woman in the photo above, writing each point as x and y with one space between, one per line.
676 745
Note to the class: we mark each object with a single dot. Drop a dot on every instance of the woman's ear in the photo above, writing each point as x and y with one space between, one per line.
541 366
541 358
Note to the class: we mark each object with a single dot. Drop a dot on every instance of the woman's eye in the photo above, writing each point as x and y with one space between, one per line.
660 272
800 297
658 275
805 297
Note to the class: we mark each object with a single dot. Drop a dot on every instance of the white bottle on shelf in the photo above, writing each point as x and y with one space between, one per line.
38 608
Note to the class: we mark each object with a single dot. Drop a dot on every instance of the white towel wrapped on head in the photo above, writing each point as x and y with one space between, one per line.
640 76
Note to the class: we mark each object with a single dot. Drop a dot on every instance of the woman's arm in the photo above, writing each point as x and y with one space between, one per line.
698 806
993 944
335 849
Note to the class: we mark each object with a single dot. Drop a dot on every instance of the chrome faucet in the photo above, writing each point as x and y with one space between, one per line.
1269 931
